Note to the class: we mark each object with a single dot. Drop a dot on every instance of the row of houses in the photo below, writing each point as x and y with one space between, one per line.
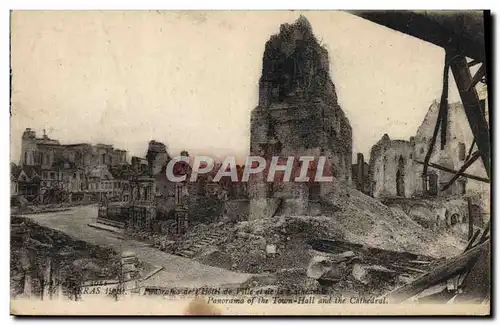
136 193
51 172
66 183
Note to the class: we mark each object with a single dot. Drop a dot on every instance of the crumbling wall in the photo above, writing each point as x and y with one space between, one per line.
236 210
157 156
391 163
452 156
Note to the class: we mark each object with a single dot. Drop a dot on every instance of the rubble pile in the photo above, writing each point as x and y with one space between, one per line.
350 273
34 248
364 220
358 219
279 250
427 211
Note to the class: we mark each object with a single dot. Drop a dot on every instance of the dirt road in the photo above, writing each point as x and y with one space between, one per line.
177 271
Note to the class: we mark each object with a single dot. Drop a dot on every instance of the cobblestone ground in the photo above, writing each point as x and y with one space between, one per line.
177 271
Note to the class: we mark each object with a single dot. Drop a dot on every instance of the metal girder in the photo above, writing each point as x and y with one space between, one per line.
472 107
461 34
442 115
473 63
452 171
480 74
470 149
462 169
459 30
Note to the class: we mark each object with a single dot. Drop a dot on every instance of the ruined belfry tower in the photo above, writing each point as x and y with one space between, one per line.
297 114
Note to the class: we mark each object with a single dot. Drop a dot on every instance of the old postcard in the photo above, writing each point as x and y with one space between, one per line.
250 163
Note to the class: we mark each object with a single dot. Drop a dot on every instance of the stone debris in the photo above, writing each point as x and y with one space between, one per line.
318 266
330 267
271 249
367 274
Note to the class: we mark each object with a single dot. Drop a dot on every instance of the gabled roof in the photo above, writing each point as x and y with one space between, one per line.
31 173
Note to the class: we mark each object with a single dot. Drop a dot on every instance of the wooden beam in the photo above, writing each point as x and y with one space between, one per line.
452 171
441 273
443 106
472 107
462 169
470 149
472 244
472 240
485 232
471 236
442 29
477 77
473 63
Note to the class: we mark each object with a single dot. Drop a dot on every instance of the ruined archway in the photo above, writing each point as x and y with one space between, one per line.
455 218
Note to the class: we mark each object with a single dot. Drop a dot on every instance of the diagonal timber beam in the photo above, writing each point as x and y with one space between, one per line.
472 107
462 169
470 149
478 76
473 63
452 171
447 270
442 114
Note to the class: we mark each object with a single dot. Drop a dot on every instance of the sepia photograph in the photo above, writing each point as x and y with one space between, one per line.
249 162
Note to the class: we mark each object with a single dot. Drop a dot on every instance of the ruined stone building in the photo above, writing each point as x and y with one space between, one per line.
152 202
391 168
170 195
106 184
129 196
45 151
157 156
360 175
298 114
55 172
394 171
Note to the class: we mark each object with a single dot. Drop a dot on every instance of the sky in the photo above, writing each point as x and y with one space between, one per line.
190 79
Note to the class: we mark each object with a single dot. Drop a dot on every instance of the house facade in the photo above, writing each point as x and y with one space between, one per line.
55 172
